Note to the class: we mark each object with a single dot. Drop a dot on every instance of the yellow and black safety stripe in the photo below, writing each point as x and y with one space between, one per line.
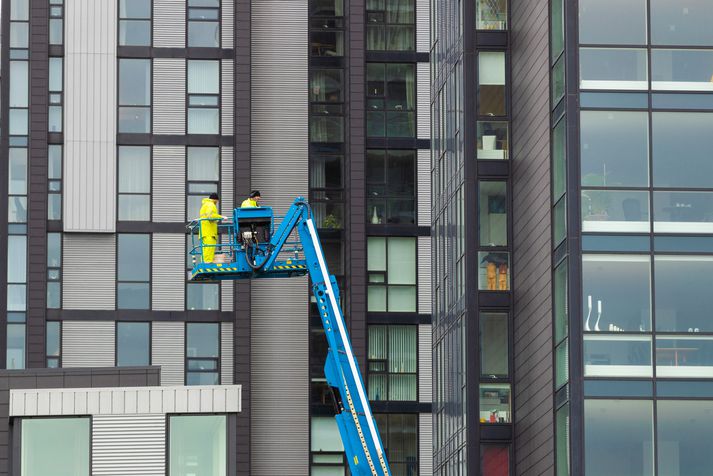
214 270
290 267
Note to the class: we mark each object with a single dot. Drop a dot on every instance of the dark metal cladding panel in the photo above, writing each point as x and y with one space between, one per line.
534 438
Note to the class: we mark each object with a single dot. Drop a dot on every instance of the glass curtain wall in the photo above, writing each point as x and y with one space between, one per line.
646 218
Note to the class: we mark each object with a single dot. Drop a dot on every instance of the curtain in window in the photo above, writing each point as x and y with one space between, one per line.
400 17
203 77
402 360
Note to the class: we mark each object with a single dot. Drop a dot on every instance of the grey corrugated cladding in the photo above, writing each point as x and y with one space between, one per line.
169 24
169 272
89 271
89 203
169 183
88 343
169 96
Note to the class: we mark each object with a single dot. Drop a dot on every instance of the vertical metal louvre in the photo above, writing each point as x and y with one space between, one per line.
423 173
169 24
226 107
169 184
124 445
169 96
425 356
167 351
425 444
227 23
423 100
169 272
423 41
88 343
89 271
89 203
226 181
226 353
424 275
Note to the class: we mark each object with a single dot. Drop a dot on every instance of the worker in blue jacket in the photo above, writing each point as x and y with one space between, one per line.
209 226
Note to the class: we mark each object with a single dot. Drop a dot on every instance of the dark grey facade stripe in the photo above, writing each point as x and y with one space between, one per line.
356 181
534 436
37 185
130 315
61 378
241 171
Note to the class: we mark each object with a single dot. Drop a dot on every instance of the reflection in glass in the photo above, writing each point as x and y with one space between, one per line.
132 343
681 22
495 403
683 212
494 345
625 22
492 140
132 296
559 163
16 343
494 271
559 299
682 145
491 83
683 293
202 296
556 28
559 221
562 434
204 34
617 356
604 68
684 430
618 437
495 460
562 363
558 81
197 445
616 293
491 14
614 148
57 446
492 213
615 211
681 70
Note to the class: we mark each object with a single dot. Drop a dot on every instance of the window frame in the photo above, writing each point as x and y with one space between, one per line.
150 273
229 442
385 26
389 198
116 341
187 359
385 273
148 107
387 113
218 98
119 193
121 19
219 21
58 357
386 372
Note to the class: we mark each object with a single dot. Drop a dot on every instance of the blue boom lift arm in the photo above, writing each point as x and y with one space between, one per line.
252 250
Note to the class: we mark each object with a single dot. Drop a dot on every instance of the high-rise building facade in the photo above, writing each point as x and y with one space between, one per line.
593 356
118 118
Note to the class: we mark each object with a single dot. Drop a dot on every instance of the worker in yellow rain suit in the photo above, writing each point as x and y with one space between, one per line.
252 201
209 228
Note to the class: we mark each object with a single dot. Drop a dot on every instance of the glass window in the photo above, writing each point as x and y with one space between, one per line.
204 23
391 186
202 296
53 345
617 211
492 140
17 259
19 84
559 221
684 356
134 183
327 42
494 271
54 174
391 100
606 100
495 403
399 434
134 23
681 149
681 70
197 445
326 85
133 343
391 25
391 264
560 299
327 450
495 460
612 22
493 213
556 28
562 441
491 14
16 340
494 344
558 84
134 95
17 171
326 8
605 68
683 437
57 446
559 163
202 354
614 148
562 364
618 437
203 164
617 293
203 94
392 363
56 23
491 83
683 297
133 263
617 356
683 212
681 22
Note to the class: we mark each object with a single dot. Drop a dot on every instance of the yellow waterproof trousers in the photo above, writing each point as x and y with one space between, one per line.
209 251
